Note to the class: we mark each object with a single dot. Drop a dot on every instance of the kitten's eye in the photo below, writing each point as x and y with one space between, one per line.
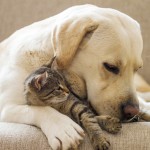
111 68
63 88
60 87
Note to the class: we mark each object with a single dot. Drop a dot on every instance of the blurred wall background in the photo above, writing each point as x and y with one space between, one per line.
15 14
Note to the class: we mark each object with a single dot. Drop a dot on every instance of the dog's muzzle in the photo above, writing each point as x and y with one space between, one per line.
130 111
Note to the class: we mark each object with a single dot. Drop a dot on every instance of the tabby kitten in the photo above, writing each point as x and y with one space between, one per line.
48 87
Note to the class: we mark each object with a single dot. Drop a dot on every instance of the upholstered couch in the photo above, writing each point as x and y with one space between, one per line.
15 14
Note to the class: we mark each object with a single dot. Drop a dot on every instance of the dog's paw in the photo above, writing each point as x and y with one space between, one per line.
110 124
62 133
145 116
101 143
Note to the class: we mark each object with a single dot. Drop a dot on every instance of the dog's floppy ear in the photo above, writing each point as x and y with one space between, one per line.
67 36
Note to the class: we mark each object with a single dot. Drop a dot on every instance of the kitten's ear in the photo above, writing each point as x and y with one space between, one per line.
40 80
52 63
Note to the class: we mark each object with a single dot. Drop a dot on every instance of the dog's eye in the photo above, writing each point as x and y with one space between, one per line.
111 68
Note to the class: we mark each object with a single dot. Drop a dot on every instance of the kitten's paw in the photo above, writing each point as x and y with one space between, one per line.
101 143
62 133
110 124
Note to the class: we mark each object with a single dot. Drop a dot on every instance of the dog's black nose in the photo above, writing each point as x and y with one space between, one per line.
129 111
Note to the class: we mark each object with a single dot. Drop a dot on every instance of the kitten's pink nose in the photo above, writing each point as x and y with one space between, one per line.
129 111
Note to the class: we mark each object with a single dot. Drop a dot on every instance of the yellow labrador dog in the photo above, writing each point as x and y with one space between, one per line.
101 46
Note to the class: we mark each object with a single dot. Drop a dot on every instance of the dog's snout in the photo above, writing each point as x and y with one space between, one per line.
129 111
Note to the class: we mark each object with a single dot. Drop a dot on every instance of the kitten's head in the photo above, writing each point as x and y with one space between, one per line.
49 86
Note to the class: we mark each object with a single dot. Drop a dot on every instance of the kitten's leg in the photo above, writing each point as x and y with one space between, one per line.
89 122
84 116
110 124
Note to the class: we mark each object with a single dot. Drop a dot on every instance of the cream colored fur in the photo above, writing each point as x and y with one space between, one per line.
82 38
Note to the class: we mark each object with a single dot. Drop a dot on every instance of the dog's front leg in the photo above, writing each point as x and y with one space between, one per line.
144 109
61 131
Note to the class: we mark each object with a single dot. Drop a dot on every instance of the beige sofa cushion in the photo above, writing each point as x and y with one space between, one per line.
134 136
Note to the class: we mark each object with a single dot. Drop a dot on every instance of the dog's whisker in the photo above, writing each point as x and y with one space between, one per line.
135 118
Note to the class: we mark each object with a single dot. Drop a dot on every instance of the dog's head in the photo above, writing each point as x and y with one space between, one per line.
103 47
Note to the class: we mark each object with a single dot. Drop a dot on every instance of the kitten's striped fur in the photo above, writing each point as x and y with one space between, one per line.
47 86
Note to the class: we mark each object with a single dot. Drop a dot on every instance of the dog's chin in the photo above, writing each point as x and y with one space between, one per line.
108 111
